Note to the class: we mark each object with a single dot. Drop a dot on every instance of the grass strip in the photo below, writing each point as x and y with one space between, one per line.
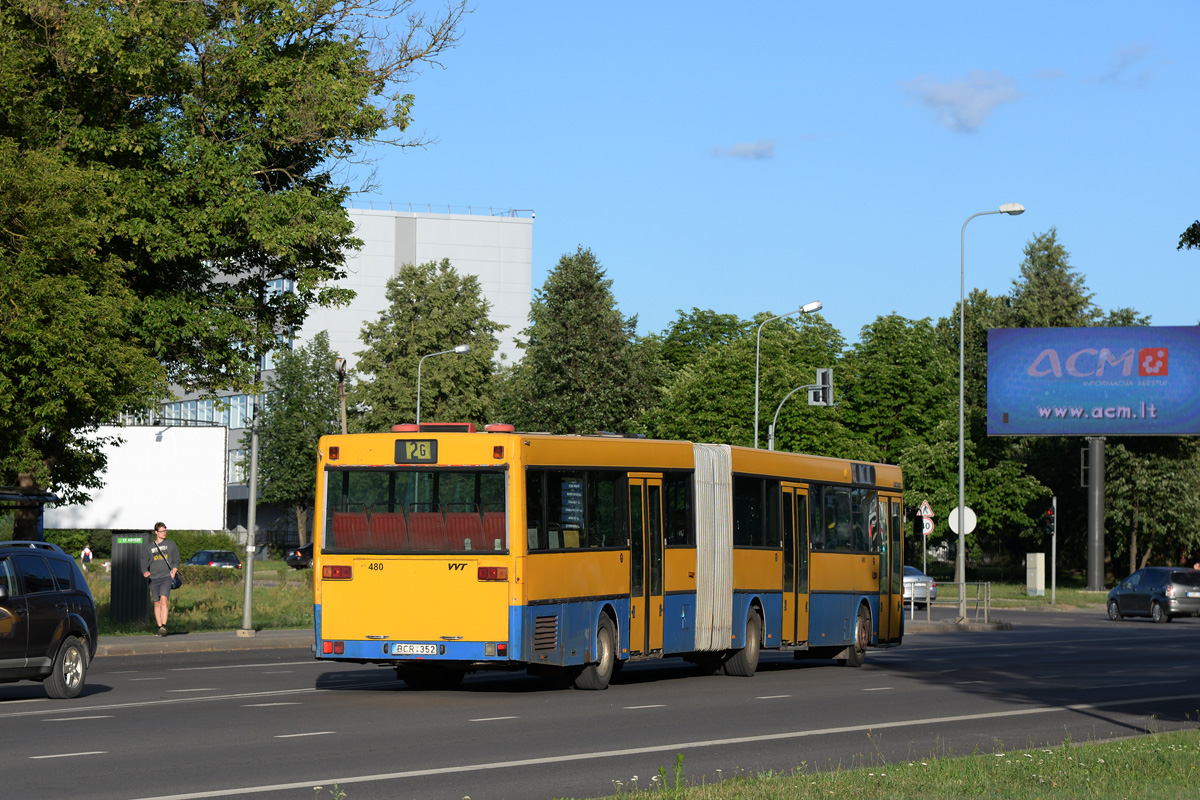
1145 767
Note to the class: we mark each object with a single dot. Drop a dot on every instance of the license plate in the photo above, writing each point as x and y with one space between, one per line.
1193 594
413 649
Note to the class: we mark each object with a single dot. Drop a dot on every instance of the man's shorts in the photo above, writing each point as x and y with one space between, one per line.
160 587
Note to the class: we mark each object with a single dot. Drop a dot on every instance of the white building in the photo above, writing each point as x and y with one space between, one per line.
497 248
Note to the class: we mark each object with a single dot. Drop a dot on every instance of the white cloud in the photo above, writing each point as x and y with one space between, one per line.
1123 67
963 106
763 148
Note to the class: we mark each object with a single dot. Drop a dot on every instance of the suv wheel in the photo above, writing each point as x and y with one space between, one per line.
1158 613
70 670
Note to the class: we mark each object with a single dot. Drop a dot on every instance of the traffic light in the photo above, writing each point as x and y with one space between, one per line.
821 393
1048 521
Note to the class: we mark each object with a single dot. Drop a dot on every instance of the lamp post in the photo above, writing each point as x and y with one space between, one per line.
775 421
807 308
1012 209
462 348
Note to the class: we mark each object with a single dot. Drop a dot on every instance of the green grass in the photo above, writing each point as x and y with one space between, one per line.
1014 595
1147 767
283 598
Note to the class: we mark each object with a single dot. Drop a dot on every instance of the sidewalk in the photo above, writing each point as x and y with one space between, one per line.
202 642
304 638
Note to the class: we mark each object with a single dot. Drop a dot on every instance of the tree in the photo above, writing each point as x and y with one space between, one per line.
584 369
208 138
1151 504
1191 237
695 331
69 360
900 385
303 405
1050 293
432 309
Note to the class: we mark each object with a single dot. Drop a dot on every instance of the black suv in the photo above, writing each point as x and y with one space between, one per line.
47 618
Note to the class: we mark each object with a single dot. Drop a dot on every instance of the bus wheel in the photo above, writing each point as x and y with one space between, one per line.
744 662
423 678
856 653
596 676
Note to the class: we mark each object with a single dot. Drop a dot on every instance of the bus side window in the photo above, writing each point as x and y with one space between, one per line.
535 512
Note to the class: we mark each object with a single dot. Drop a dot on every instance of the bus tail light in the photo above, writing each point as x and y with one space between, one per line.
492 649
493 573
498 451
335 452
333 648
336 572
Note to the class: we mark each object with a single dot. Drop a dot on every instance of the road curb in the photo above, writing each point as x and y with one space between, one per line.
202 643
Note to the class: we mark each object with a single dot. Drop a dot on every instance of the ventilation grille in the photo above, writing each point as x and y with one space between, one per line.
545 633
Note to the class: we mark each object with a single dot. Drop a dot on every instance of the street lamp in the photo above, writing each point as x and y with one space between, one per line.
462 348
807 308
1012 209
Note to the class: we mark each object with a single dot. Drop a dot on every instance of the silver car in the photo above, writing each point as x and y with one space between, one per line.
1159 593
919 588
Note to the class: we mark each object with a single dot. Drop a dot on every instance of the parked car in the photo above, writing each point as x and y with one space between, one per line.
1159 593
47 618
918 587
300 558
215 558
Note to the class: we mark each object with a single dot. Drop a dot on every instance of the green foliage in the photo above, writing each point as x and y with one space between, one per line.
431 309
696 331
72 542
1190 237
304 405
1049 293
898 386
584 369
69 358
1151 504
160 164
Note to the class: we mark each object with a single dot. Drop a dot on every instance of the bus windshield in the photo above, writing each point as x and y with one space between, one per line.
406 510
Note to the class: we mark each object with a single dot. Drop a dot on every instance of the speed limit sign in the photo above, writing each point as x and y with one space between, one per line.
926 526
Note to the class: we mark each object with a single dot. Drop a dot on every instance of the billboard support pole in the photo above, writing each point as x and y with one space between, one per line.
1095 502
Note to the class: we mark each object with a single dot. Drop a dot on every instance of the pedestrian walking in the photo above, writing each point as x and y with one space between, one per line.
85 557
160 561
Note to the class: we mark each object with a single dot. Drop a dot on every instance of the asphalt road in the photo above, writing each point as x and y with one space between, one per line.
269 721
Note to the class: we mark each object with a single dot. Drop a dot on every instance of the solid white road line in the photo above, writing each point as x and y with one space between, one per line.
343 781
72 755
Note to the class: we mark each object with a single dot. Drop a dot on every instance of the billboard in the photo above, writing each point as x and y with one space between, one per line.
1093 381
155 473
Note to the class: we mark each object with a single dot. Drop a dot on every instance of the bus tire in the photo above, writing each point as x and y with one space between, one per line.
423 678
744 662
595 677
856 653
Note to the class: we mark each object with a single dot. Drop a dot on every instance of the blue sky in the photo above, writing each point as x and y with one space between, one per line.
748 157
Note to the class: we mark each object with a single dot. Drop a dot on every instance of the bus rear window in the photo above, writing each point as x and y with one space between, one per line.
404 511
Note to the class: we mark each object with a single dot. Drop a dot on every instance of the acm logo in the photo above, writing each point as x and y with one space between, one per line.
1091 363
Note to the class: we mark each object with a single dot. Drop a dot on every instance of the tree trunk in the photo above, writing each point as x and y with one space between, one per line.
25 518
302 524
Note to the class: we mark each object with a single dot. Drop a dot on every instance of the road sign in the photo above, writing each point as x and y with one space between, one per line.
925 510
968 519
926 526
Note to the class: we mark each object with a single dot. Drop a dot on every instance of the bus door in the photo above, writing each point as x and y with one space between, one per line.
891 565
795 563
645 564
881 539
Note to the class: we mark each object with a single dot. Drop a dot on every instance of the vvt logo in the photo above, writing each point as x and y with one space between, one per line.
453 567
1152 361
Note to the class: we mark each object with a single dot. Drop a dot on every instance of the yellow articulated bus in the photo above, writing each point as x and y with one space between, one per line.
440 551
